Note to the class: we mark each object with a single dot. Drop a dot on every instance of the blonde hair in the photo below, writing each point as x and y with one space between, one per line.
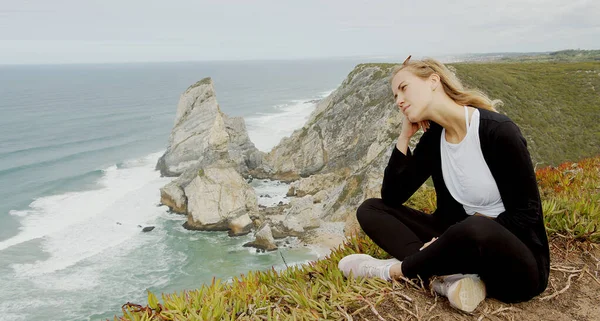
451 84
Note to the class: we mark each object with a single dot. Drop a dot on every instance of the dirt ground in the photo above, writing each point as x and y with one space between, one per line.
573 293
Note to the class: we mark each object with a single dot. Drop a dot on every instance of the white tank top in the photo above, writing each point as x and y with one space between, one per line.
466 174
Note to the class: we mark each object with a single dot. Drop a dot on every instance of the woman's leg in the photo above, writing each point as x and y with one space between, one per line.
479 245
399 231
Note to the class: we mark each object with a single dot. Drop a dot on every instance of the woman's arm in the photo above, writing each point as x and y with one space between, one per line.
516 180
405 173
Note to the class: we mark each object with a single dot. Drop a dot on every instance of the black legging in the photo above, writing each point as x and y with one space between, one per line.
476 245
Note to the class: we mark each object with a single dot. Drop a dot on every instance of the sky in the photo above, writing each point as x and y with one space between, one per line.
91 31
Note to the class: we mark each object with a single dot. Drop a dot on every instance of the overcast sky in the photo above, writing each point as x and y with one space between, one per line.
78 31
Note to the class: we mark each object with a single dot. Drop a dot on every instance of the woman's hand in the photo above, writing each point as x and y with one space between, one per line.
409 129
428 243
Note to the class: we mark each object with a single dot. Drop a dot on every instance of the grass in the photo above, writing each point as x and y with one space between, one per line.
556 105
314 291
571 202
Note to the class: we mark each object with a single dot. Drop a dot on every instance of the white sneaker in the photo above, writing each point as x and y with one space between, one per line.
366 266
464 291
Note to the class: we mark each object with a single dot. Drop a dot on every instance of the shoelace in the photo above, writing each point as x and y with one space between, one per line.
370 270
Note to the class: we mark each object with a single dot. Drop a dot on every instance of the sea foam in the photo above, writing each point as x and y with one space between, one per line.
77 225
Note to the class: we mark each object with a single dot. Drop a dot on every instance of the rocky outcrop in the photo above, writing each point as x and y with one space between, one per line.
313 184
202 135
208 151
239 147
217 195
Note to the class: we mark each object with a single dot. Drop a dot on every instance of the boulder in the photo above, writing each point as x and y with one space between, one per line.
216 196
173 196
283 226
240 226
264 239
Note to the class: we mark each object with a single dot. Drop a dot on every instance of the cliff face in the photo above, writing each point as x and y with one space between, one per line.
347 130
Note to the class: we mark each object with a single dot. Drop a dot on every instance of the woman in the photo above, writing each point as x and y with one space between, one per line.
487 234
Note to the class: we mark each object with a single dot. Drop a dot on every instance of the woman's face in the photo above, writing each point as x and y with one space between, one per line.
412 95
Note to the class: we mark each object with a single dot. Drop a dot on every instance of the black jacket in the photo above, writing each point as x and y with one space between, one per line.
505 152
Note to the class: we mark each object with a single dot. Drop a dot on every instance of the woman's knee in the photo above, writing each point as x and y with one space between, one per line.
366 214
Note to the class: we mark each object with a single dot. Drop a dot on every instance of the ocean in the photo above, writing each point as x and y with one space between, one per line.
78 149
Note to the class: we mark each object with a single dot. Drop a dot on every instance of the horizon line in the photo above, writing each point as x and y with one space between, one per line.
380 56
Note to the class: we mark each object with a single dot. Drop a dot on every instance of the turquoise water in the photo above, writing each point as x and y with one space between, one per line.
78 146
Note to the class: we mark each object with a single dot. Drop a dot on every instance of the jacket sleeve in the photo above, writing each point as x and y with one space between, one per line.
516 181
404 174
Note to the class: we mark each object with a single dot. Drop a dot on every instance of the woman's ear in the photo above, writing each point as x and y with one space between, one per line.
435 81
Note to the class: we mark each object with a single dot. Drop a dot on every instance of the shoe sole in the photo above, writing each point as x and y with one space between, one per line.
466 294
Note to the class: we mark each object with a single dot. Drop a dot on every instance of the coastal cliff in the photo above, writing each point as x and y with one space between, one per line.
336 160
340 154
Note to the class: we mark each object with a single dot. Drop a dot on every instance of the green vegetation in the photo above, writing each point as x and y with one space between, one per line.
571 198
424 199
303 133
204 81
570 55
309 292
556 105
571 202
385 70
